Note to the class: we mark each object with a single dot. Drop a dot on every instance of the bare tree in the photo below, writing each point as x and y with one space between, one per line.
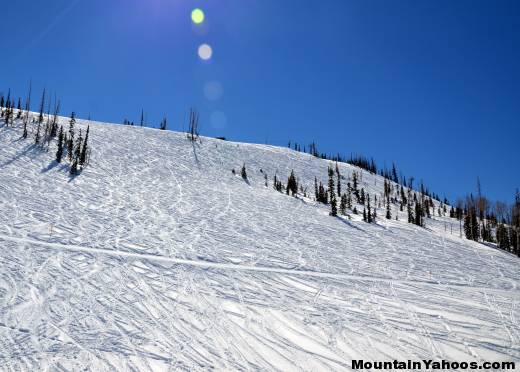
193 128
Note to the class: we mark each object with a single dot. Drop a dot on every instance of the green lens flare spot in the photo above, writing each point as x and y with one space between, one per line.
197 16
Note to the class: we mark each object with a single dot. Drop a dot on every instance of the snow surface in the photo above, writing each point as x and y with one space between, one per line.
157 257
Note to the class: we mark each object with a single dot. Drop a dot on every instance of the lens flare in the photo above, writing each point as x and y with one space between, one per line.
205 52
197 16
213 90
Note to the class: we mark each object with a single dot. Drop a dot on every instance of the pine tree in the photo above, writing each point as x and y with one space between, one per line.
78 147
388 211
163 125
394 174
8 114
74 167
355 186
142 117
59 152
70 140
339 180
322 194
343 204
54 125
76 156
468 231
19 114
475 231
7 104
243 172
292 184
349 196
369 211
332 194
411 218
83 154
503 237
418 214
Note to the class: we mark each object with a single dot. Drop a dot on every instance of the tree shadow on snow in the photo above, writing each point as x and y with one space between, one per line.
52 164
72 177
28 149
193 145
350 224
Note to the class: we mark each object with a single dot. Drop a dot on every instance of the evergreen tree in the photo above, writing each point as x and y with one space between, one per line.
467 227
503 237
343 204
419 214
8 114
59 152
163 125
78 147
243 172
7 104
339 180
388 211
394 174
355 185
37 135
349 196
475 226
83 154
333 205
74 167
411 218
332 194
19 114
369 210
322 194
54 125
70 139
292 184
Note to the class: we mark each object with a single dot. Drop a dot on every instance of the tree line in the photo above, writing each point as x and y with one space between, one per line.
479 219
43 127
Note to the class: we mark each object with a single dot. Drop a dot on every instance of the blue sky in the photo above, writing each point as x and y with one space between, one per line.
431 85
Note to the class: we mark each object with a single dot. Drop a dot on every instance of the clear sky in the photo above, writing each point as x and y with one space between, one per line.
431 85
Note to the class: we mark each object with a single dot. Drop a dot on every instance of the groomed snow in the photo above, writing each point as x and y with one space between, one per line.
157 257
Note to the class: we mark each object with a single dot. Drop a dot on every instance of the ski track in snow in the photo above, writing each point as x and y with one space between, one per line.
158 258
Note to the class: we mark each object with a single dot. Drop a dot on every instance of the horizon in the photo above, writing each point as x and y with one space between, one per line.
452 68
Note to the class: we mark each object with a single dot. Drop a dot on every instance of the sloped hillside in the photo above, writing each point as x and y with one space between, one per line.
158 257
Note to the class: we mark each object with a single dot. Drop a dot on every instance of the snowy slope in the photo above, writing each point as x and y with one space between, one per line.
157 257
